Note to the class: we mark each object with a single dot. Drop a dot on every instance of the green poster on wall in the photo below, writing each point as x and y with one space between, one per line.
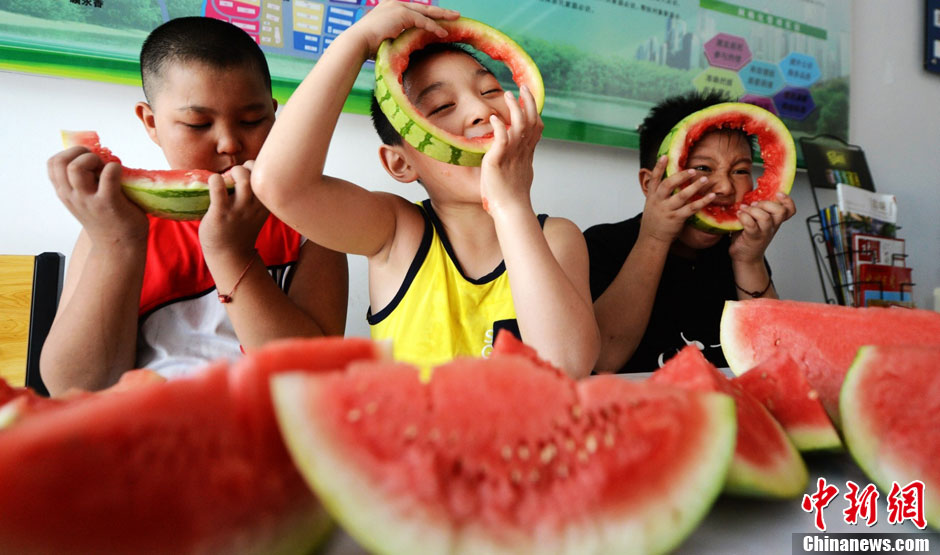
604 62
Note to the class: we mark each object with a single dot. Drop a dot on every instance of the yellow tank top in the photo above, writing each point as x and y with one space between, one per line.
439 313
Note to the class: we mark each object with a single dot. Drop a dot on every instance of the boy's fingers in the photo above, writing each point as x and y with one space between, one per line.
529 107
517 122
81 172
500 136
692 186
242 178
109 182
697 205
218 194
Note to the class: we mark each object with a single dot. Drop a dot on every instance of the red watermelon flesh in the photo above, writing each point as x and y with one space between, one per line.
890 404
780 384
193 465
498 455
823 337
765 461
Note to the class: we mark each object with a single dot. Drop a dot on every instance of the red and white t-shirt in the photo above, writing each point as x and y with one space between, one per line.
182 324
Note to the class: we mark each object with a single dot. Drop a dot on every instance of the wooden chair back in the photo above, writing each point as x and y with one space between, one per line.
30 287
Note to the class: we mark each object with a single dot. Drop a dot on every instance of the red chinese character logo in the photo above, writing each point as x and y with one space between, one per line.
819 500
861 503
907 503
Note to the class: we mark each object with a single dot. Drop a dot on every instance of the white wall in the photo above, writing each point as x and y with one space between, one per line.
894 116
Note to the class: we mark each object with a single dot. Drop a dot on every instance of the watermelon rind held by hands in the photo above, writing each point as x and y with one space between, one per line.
391 60
777 152
169 194
890 406
506 456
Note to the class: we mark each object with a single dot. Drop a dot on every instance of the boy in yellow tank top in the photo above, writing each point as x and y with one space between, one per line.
445 275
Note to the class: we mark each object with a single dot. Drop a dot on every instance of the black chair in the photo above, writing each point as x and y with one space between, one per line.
30 287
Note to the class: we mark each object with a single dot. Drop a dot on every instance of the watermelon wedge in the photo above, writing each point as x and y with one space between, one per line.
890 405
777 151
193 465
502 456
765 463
780 384
391 60
171 194
823 337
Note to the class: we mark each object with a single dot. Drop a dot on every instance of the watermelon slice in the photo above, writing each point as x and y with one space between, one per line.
890 405
502 456
780 384
391 60
193 465
765 463
171 194
777 151
823 337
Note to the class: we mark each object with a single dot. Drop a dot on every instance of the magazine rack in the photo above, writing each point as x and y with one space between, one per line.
830 160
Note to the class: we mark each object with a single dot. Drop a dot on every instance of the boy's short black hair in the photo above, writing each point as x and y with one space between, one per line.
382 126
665 115
205 40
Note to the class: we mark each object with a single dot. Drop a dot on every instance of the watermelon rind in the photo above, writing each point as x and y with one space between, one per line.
392 526
169 194
875 456
392 59
778 153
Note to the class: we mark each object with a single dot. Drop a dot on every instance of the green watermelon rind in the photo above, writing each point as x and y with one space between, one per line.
172 199
808 439
414 127
380 530
863 445
674 145
786 479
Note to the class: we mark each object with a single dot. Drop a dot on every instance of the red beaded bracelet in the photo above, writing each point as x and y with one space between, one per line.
225 299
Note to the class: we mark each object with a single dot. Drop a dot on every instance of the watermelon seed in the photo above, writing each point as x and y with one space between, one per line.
353 415
548 453
434 435
813 394
569 444
763 375
371 407
562 471
523 452
534 476
507 452
411 432
591 443
576 411
608 439
515 476
582 456
776 341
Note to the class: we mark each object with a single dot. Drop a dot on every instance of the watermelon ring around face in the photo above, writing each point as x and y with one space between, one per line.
391 60
777 150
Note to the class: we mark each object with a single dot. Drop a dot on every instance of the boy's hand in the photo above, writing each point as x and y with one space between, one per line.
665 213
761 221
233 221
506 173
392 17
92 192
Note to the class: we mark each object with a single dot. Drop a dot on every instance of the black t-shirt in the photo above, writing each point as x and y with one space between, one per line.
689 300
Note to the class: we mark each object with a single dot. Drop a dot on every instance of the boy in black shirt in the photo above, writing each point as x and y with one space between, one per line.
658 283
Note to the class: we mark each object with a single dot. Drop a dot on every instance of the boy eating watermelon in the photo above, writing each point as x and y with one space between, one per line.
659 283
142 291
447 274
